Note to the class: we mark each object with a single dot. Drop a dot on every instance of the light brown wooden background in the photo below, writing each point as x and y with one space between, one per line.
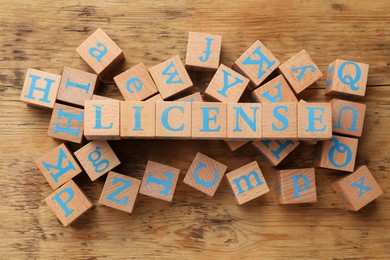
45 34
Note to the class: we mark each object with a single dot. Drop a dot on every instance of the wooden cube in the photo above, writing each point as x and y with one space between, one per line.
244 121
100 52
170 77
99 97
58 166
101 121
297 186
275 150
276 90
159 181
208 120
338 153
40 88
120 192
280 120
226 85
155 98
300 71
136 84
348 117
257 63
97 158
234 145
358 189
138 119
247 183
347 78
68 203
194 97
173 119
205 174
67 123
76 86
314 121
203 51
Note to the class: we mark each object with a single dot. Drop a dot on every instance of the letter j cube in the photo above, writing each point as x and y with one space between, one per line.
357 189
247 183
68 203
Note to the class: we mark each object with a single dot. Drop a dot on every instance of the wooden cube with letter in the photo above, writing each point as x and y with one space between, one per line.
173 119
280 120
275 90
314 121
244 121
208 120
275 151
194 97
138 119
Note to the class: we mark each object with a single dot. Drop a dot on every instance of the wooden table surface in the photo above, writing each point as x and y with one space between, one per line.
45 34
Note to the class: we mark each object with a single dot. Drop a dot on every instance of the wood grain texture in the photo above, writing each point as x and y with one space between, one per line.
45 34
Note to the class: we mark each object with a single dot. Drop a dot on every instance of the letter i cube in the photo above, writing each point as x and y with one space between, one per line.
159 181
357 189
314 121
67 123
297 186
275 150
68 203
247 183
97 158
170 77
120 192
338 153
347 78
76 86
40 88
138 119
203 51
300 71
205 174
58 166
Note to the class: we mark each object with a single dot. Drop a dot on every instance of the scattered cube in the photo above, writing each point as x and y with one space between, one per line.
257 63
195 97
208 120
120 192
226 85
136 84
173 119
155 98
275 150
40 88
297 186
76 86
101 121
67 123
234 145
347 78
276 90
203 51
100 52
159 181
138 119
97 158
244 121
338 153
58 166
280 120
205 174
247 183
68 203
314 121
358 189
348 117
300 71
170 77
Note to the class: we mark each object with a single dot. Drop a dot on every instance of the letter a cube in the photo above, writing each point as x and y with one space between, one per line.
247 183
203 51
68 203
40 88
170 77
58 166
120 192
347 78
357 189
100 52
97 158
159 181
205 174
297 186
